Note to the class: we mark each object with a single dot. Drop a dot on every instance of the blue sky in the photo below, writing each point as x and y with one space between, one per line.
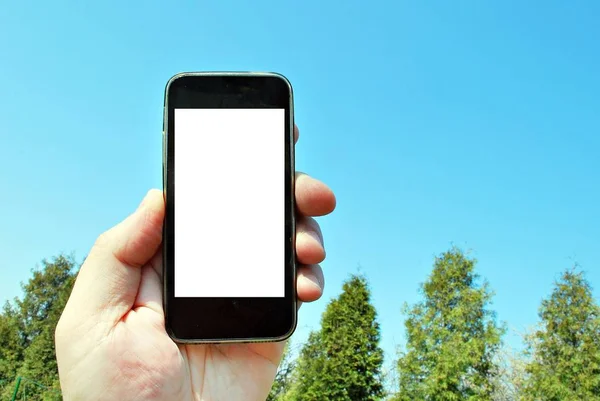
468 123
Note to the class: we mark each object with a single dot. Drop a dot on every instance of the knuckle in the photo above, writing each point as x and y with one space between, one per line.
102 240
59 330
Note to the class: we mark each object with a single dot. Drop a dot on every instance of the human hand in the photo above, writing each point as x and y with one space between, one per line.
111 342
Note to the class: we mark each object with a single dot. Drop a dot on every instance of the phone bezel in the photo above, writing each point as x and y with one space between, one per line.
224 315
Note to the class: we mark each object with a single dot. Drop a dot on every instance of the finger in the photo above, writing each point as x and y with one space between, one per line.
310 283
296 134
309 241
157 264
109 279
313 198
150 292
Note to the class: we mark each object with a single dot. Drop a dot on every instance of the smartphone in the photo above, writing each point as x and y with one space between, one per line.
229 264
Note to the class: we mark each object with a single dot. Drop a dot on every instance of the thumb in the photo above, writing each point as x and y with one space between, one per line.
109 279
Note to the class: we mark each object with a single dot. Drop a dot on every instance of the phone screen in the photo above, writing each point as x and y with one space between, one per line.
228 244
229 202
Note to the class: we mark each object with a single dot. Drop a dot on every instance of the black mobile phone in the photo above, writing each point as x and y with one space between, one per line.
228 174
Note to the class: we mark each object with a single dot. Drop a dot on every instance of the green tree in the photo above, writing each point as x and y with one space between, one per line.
342 361
30 322
452 336
510 377
306 383
565 350
11 346
282 382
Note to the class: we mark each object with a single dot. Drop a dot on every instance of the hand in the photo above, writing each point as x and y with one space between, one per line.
111 342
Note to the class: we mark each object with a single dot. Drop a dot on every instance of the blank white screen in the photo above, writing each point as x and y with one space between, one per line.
229 202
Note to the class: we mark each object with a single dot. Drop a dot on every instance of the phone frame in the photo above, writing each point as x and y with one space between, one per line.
290 253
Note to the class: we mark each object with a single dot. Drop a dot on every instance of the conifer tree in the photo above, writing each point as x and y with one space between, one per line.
452 336
281 384
565 350
27 327
342 361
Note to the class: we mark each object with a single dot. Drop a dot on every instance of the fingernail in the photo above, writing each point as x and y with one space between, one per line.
317 238
313 279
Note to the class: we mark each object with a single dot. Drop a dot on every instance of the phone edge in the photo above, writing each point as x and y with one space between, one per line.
292 148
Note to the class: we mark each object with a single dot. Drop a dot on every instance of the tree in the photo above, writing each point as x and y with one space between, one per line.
306 381
342 361
11 346
452 336
30 322
282 382
565 350
510 377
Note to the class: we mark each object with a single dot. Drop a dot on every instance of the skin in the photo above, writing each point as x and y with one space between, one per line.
111 342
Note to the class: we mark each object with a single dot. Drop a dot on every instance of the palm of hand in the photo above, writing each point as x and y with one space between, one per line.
152 366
